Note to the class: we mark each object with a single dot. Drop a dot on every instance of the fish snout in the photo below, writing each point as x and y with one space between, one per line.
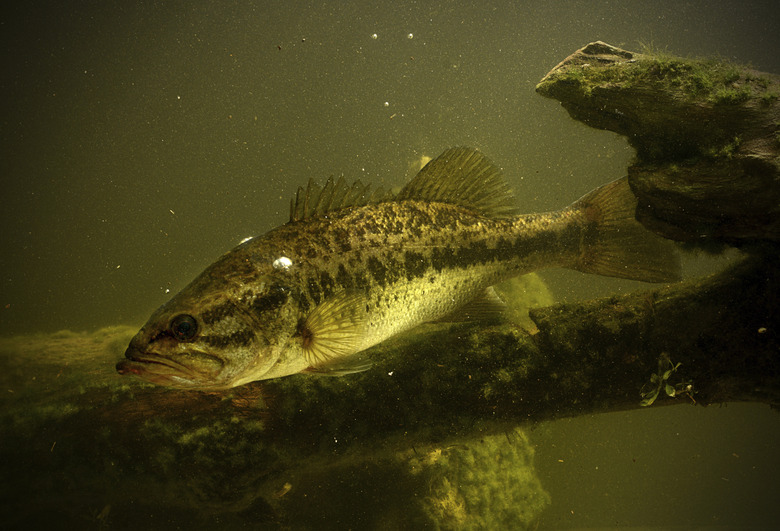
129 365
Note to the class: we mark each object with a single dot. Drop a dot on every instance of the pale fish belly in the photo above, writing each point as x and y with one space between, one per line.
410 303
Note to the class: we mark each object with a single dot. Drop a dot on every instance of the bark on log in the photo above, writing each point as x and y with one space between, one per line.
706 132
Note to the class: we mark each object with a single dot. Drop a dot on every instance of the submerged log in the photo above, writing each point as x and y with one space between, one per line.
81 443
406 445
706 133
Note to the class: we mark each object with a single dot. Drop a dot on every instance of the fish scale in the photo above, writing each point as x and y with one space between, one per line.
431 273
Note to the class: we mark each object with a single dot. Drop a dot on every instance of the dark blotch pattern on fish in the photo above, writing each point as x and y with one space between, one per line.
240 338
415 264
376 249
218 313
343 278
314 291
271 301
378 271
442 257
326 284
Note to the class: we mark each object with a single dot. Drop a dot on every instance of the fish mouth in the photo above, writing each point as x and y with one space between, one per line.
168 372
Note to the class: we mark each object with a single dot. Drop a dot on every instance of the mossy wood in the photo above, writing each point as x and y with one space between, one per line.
427 420
706 132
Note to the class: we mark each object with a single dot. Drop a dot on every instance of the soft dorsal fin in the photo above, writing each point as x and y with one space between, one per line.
462 176
316 201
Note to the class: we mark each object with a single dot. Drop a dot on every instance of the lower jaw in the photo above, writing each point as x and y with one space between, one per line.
142 370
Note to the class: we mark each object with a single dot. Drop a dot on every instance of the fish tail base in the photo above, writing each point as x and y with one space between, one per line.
615 244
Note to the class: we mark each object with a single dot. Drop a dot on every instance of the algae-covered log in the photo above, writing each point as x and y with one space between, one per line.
718 337
411 443
706 132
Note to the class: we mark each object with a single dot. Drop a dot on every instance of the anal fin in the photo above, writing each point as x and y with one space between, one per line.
487 306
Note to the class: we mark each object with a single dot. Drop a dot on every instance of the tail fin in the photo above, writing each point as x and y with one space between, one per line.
615 244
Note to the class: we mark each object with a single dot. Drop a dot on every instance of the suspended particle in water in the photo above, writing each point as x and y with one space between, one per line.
375 36
410 36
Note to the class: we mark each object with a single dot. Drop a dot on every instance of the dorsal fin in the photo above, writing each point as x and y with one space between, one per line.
316 201
462 176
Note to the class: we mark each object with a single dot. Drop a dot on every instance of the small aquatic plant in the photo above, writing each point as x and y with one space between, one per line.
659 381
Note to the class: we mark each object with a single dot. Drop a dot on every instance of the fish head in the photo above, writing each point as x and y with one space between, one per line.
213 338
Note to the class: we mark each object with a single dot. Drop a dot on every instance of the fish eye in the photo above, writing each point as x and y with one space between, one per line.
184 327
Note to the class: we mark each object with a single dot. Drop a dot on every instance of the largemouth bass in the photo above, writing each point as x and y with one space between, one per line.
352 268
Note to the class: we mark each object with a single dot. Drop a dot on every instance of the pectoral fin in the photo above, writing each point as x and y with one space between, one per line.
334 329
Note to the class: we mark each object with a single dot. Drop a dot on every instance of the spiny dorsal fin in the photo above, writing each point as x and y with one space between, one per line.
316 201
462 176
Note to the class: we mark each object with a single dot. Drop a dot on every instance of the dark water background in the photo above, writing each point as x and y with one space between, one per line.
143 139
